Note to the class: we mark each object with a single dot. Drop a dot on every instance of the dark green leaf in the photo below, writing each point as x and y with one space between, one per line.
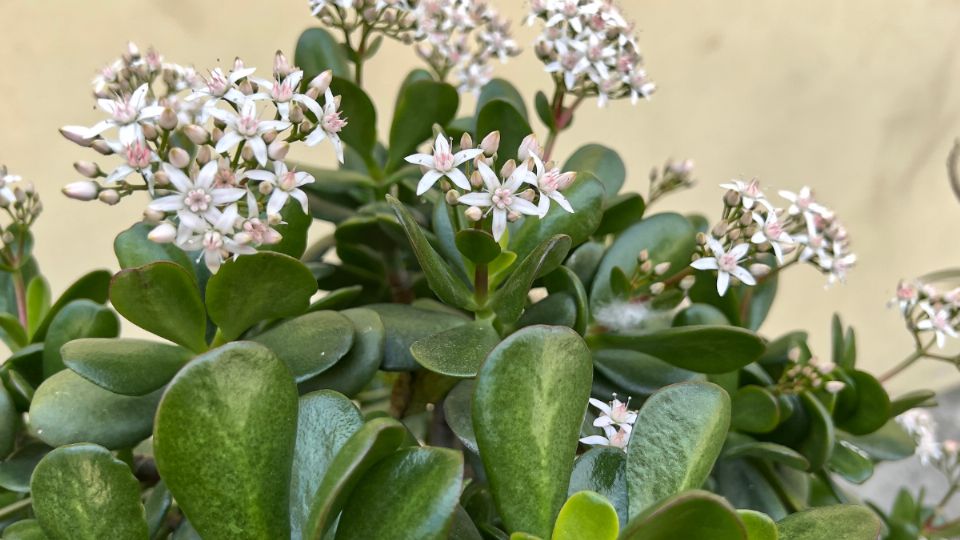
224 442
16 470
565 280
755 410
478 246
9 423
360 132
769 451
545 111
501 89
258 287
603 469
134 249
310 344
818 445
82 492
421 105
536 373
457 352
293 229
337 299
405 325
917 398
156 506
584 261
131 367
693 514
603 162
357 368
889 443
678 435
851 463
501 115
700 314
413 494
78 319
91 286
38 302
457 411
620 212
162 298
873 405
637 374
508 302
318 51
558 309
13 333
841 522
586 198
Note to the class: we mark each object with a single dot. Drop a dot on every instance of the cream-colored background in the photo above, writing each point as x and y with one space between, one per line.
858 98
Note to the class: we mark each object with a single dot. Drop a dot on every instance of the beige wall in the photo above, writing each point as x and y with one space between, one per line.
858 98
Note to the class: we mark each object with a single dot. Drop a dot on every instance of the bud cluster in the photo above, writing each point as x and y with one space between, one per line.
674 176
217 176
807 373
22 205
391 18
925 308
506 196
752 227
616 420
591 49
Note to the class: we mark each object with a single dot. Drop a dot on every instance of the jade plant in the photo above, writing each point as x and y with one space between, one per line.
494 341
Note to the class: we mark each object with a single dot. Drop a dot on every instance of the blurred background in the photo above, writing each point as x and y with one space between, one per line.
859 99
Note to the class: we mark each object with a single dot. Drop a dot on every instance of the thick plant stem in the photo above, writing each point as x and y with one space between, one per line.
11 509
904 364
20 292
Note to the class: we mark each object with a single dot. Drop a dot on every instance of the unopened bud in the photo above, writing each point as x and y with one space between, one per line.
281 66
731 198
87 168
204 155
466 141
150 132
452 197
274 219
178 157
296 113
528 148
834 387
76 134
746 219
265 188
759 269
826 367
643 255
513 216
661 268
473 213
109 196
733 234
168 119
245 87
528 195
657 288
247 153
153 216
84 190
687 282
161 179
163 233
313 93
491 143
701 239
719 230
269 136
101 147
278 150
646 267
476 180
322 81
508 168
196 134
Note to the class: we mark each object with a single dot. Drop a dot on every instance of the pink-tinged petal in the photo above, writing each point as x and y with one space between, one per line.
177 178
739 251
458 178
277 199
489 177
228 142
595 440
723 281
303 178
429 179
744 276
425 160
282 108
170 203
603 421
259 149
152 111
315 137
561 200
705 263
213 260
294 79
714 246
223 196
226 117
499 223
192 243
225 222
139 97
465 155
261 175
206 175
190 221
241 73
758 237
524 207
602 405
130 134
300 196
441 144
337 146
122 171
475 199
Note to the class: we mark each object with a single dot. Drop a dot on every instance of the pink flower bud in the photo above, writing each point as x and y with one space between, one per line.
163 233
466 141
196 134
278 150
281 66
150 132
491 143
168 119
84 190
77 134
834 387
528 148
109 196
452 197
87 168
153 216
179 157
322 81
473 213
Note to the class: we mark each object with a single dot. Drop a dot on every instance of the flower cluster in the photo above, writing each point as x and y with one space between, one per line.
751 225
457 37
674 176
808 373
20 201
616 420
647 296
925 308
920 424
501 195
590 48
212 155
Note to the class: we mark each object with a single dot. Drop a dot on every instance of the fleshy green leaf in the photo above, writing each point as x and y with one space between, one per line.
872 406
666 237
92 286
38 302
769 451
16 470
355 370
603 469
840 522
586 198
545 111
457 352
224 442
759 526
162 298
677 437
356 107
376 440
81 492
638 374
413 494
586 514
818 444
585 260
755 410
9 422
889 443
501 89
508 302
693 514
421 104
405 325
447 286
620 212
529 401
704 349
500 115
848 461
603 162
258 287
916 398
69 409
25 529
310 344
132 367
293 230
458 413
478 246
565 280
134 249
79 319
326 421
318 51
157 505
13 333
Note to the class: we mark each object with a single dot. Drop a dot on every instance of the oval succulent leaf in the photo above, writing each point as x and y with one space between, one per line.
508 302
421 104
457 352
79 319
603 469
603 162
586 514
677 437
92 286
529 401
224 442
693 514
310 344
81 492
132 367
355 370
839 522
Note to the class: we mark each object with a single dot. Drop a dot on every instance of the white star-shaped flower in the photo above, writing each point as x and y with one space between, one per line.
550 182
284 92
443 163
126 114
726 264
245 126
330 125
501 198
286 184
197 197
618 438
771 232
938 320
214 240
750 193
